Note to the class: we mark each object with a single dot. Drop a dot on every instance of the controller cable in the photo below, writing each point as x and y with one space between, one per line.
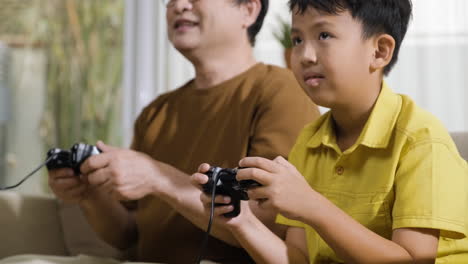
29 175
207 233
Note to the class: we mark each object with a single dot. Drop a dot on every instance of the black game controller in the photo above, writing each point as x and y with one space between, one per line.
227 184
73 158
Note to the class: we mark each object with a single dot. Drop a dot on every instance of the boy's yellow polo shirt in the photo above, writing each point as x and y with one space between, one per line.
404 171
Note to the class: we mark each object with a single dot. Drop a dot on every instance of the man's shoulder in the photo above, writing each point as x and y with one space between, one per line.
276 73
169 95
272 81
163 99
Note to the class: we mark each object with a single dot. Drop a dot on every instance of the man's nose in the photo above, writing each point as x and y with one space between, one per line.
182 5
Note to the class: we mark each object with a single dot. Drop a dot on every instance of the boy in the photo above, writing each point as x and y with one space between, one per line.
376 179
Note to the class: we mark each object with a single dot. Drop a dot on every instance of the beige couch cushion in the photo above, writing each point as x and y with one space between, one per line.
29 224
35 259
40 259
79 236
461 140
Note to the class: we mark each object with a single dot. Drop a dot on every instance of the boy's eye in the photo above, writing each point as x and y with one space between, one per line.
296 41
324 35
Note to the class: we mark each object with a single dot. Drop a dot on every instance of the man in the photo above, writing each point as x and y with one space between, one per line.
233 108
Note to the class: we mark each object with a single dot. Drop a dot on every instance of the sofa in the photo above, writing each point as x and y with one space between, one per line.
42 225
42 230
461 140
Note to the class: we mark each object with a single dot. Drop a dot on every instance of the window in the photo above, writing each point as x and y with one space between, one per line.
60 81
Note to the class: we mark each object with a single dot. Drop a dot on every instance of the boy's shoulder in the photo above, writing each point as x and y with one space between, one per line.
416 128
418 125
413 123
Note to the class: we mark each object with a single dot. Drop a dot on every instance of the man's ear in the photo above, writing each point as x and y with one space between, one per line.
251 11
384 46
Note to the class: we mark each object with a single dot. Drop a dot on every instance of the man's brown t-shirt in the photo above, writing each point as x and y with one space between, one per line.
257 113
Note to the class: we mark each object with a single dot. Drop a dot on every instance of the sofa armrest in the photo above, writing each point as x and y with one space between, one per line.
461 140
79 236
29 225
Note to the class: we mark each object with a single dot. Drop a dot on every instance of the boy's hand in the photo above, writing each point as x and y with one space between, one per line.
199 179
284 188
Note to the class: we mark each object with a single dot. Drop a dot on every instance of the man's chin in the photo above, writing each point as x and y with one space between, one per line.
185 46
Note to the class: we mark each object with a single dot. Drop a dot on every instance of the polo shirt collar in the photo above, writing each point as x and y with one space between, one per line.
325 134
381 123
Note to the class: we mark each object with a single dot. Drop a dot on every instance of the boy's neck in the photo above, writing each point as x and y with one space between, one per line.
350 120
348 127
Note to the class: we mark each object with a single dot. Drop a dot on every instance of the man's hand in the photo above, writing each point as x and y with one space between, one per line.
125 174
67 186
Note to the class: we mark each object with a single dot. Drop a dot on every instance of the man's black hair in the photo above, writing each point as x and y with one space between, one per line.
377 16
255 28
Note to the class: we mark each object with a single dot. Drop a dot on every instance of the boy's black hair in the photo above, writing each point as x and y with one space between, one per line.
255 28
377 16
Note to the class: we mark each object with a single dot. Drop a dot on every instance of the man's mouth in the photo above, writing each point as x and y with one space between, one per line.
184 24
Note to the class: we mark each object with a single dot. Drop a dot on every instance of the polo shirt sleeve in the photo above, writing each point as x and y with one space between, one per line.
431 190
280 219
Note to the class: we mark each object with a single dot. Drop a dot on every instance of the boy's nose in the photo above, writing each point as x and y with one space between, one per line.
309 56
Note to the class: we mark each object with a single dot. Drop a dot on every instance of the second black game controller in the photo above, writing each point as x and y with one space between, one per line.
227 184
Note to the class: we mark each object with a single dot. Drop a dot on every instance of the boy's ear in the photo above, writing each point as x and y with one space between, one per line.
251 11
384 46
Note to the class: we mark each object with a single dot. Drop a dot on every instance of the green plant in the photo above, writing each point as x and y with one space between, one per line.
284 34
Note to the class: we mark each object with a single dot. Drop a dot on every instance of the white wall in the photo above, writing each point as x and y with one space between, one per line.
268 49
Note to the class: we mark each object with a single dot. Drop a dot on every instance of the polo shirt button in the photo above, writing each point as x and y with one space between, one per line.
339 170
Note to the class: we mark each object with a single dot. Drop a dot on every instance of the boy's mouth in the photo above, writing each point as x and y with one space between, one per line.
313 79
